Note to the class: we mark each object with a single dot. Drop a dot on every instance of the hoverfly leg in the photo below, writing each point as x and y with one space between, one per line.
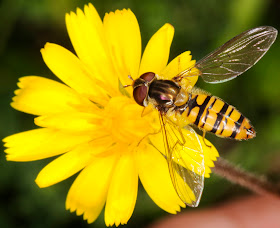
177 78
146 110
204 133
154 133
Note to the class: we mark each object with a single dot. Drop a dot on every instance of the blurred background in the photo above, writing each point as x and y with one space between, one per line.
200 26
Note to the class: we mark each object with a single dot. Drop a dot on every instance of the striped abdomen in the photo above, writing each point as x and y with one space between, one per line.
214 115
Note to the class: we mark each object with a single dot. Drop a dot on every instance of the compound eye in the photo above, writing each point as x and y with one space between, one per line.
139 94
149 76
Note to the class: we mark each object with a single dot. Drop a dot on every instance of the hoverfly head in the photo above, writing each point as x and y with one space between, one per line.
141 88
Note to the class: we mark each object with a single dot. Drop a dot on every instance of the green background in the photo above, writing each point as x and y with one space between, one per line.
200 26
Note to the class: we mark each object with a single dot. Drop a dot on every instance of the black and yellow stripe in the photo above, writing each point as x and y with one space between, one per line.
214 115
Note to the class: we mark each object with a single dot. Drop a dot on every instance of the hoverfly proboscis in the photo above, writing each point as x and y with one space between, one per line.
207 112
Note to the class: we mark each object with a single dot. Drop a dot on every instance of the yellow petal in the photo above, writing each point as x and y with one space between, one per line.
79 26
177 65
122 192
66 66
87 36
68 121
41 96
88 193
156 53
154 175
124 41
41 143
65 166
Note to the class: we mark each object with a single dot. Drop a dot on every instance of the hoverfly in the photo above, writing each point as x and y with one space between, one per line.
207 112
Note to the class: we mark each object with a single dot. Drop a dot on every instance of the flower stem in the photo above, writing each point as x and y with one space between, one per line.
259 185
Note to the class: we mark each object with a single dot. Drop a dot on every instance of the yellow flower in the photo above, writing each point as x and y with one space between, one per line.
93 123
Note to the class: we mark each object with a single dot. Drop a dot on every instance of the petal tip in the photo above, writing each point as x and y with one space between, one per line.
41 181
79 11
13 104
168 27
67 17
90 5
70 205
47 45
4 140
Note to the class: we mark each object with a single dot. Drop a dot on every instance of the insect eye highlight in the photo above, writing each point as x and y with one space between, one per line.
139 94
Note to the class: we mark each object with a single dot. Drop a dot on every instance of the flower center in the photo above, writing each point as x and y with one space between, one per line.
124 122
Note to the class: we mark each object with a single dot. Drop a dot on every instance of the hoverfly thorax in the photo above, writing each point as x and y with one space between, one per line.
141 88
162 93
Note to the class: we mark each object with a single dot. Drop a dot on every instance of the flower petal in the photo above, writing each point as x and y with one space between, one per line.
88 193
65 166
41 96
87 36
122 192
177 65
68 121
66 66
124 41
156 53
154 175
41 143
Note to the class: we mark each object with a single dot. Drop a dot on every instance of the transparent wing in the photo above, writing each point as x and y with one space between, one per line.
184 155
235 56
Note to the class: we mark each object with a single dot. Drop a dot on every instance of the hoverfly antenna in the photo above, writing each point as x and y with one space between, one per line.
129 76
124 86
